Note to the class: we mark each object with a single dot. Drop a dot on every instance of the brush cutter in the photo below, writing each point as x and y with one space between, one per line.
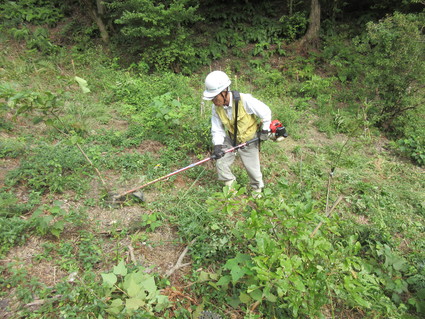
278 132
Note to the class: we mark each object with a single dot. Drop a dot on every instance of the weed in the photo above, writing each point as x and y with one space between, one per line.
130 290
13 232
15 275
12 148
150 221
56 168
282 261
414 147
49 220
11 206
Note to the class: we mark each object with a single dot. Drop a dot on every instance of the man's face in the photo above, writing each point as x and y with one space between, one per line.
220 99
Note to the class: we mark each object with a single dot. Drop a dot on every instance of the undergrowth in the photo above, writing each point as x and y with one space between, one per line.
288 254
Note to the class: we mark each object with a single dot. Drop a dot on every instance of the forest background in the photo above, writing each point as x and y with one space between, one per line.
101 96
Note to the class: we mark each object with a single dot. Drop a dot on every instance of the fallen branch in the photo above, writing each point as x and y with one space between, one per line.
327 215
179 264
110 232
92 165
255 305
39 302
132 257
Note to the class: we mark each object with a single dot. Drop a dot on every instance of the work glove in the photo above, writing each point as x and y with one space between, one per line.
264 135
218 152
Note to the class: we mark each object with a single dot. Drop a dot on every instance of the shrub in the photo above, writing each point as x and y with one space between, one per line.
159 31
393 63
413 147
290 269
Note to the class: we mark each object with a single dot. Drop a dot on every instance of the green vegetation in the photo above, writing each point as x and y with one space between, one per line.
339 230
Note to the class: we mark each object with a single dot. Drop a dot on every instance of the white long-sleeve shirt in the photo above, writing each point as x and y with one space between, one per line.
251 105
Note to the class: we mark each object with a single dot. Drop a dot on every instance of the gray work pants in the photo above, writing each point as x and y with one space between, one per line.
250 157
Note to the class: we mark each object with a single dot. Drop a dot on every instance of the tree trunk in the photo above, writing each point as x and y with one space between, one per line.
97 11
311 38
102 27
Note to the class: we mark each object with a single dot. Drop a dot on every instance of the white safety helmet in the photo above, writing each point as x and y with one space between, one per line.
215 82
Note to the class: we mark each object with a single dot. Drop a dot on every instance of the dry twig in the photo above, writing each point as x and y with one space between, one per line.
179 264
327 215
39 302
132 257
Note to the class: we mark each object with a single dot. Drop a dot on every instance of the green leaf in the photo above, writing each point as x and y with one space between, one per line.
224 281
109 279
257 294
399 264
269 296
116 303
162 303
215 227
115 307
149 285
203 276
113 310
297 283
57 228
135 290
120 269
132 304
136 277
245 298
233 301
83 84
237 273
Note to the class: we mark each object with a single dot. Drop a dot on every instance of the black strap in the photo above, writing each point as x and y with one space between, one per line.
236 98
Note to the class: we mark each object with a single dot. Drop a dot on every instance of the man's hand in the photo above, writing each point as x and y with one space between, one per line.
264 135
218 152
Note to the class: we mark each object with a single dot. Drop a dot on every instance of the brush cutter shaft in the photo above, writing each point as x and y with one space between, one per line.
186 168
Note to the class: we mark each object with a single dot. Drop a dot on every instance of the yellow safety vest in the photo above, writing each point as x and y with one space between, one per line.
247 123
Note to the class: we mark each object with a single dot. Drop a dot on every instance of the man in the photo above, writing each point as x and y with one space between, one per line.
228 131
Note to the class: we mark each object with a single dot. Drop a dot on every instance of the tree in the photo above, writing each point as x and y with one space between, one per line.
311 38
393 64
157 31
97 12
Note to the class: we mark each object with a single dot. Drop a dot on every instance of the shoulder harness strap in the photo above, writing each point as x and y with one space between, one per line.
236 98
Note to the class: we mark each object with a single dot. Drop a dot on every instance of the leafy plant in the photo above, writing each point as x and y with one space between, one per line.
391 74
132 290
414 147
150 221
40 105
49 220
13 228
164 113
316 86
54 168
12 233
12 148
38 12
291 272
293 25
39 40
161 28
89 250
11 206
